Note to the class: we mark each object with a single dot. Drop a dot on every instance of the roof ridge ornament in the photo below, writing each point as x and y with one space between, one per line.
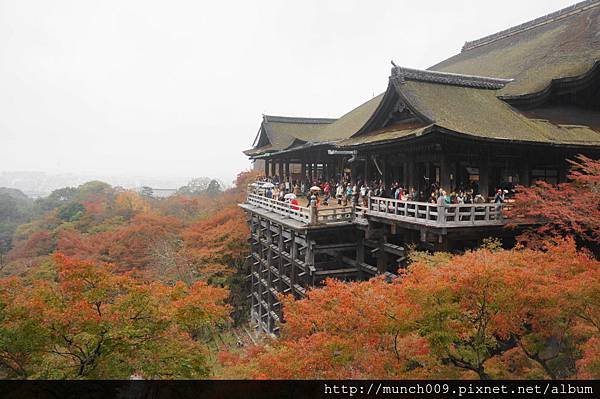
297 119
401 74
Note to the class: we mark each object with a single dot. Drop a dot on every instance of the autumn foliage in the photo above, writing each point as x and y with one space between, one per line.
489 313
566 209
108 283
91 322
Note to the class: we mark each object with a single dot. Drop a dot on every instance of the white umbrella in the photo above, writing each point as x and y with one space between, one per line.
268 185
289 196
315 188
255 184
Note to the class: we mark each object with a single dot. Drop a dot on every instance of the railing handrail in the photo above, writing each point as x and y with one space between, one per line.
423 213
276 202
429 203
438 215
286 209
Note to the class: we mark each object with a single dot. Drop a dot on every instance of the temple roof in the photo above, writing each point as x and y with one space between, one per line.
391 133
471 111
351 122
465 94
456 79
284 133
479 112
564 43
278 133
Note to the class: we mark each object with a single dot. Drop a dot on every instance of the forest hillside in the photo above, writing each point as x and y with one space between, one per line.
100 282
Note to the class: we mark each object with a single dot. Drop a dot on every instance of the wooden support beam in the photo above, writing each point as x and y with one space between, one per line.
394 249
336 272
325 247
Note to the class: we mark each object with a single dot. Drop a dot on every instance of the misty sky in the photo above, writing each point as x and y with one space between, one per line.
177 88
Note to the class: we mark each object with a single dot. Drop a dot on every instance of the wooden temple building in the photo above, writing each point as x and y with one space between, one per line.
510 108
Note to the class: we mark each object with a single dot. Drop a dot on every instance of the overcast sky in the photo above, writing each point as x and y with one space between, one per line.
177 88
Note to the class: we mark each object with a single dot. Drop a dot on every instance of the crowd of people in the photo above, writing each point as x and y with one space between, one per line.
345 192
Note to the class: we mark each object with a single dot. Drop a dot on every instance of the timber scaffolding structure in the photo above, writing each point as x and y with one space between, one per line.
509 109
295 248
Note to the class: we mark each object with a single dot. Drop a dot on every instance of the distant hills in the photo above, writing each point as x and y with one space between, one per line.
41 184
15 194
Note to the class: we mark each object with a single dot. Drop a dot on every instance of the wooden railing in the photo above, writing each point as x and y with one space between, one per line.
328 215
310 215
421 213
285 209
447 215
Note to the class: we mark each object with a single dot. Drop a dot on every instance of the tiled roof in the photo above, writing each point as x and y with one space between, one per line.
482 82
561 44
462 94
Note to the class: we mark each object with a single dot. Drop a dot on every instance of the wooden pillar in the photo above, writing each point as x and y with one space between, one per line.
310 173
484 177
525 173
280 170
366 175
563 170
282 259
384 171
454 175
445 173
411 170
294 258
266 297
381 257
273 168
266 167
360 255
287 173
302 170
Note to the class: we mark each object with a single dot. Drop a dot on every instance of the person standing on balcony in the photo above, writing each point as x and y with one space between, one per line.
435 197
294 204
441 203
326 192
499 198
363 190
339 193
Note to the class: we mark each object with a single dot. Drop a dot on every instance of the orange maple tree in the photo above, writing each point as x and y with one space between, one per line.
91 322
566 209
472 315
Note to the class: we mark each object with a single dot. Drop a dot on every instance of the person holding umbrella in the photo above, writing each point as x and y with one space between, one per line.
314 195
268 187
291 198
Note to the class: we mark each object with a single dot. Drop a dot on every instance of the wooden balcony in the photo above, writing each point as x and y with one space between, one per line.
415 213
423 213
307 215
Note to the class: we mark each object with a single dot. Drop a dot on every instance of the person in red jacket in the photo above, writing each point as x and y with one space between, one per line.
294 202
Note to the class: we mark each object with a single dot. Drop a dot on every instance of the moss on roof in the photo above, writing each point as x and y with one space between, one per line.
341 128
533 57
385 135
478 112
563 44
352 121
280 132
286 133
282 135
258 150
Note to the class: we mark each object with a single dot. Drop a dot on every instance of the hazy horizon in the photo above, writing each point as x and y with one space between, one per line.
176 89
